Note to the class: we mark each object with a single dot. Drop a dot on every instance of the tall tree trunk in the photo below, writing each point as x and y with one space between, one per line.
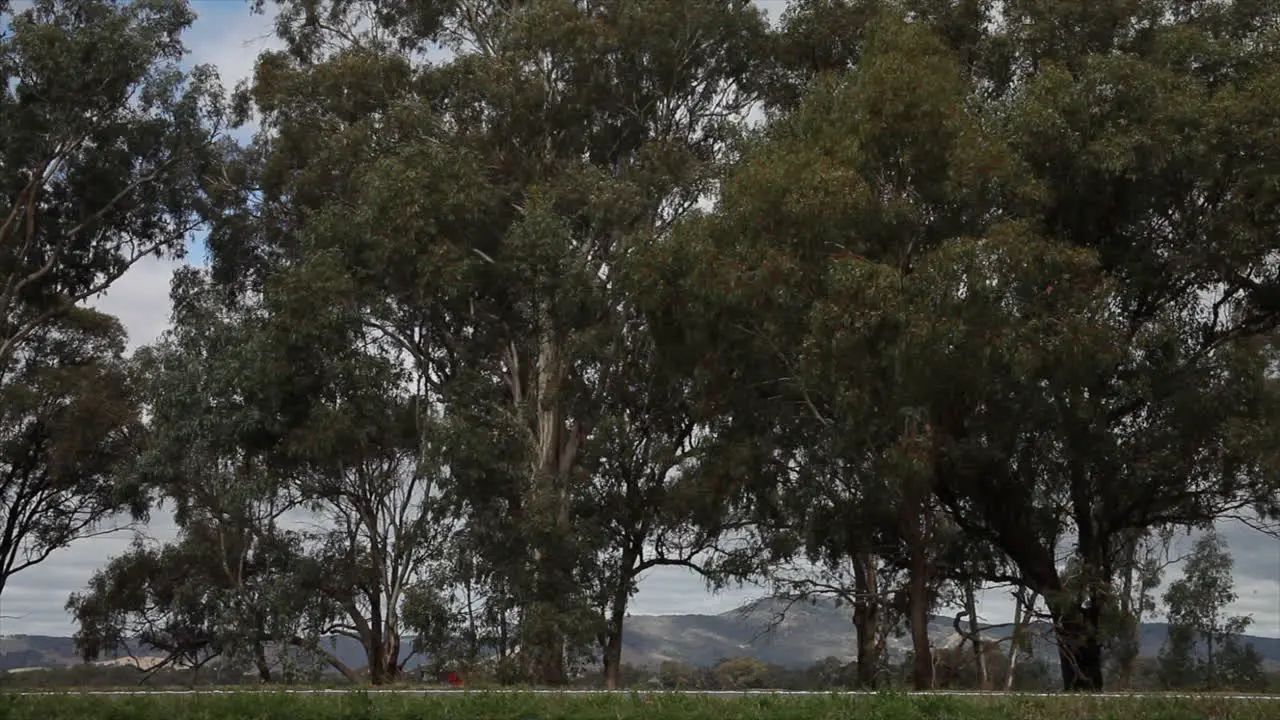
1075 623
613 645
382 649
617 619
473 635
1129 643
1079 619
547 639
918 600
975 635
866 618
260 660
1211 672
554 458
391 655
374 655
550 665
915 520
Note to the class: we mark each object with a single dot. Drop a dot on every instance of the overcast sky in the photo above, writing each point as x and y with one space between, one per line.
228 36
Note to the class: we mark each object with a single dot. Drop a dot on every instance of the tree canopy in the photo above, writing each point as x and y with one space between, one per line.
508 303
106 144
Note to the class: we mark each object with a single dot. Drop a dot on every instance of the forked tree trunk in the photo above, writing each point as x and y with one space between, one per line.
1079 649
1022 613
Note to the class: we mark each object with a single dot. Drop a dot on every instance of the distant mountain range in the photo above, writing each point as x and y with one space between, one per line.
808 633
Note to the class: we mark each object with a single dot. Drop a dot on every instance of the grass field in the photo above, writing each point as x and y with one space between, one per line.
481 706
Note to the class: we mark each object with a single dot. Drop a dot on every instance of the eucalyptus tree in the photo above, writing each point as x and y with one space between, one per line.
225 586
483 211
1136 124
366 464
304 485
1203 648
101 164
219 592
1020 259
821 240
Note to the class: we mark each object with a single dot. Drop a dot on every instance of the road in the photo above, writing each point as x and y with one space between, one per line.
424 692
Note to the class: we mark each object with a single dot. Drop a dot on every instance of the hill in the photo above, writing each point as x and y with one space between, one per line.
807 634
810 633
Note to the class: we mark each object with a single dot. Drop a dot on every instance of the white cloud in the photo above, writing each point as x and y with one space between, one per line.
680 591
229 37
140 298
34 599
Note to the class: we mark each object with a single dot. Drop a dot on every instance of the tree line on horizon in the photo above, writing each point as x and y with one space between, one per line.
892 301
1202 650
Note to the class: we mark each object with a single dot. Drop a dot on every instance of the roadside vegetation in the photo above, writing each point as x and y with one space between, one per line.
621 707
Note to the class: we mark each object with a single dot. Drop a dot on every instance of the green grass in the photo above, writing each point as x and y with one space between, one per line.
483 706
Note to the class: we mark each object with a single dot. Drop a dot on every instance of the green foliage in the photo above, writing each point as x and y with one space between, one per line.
102 164
991 280
188 603
966 256
69 421
476 218
1203 649
240 439
1140 568
742 673
104 159
678 676
216 590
